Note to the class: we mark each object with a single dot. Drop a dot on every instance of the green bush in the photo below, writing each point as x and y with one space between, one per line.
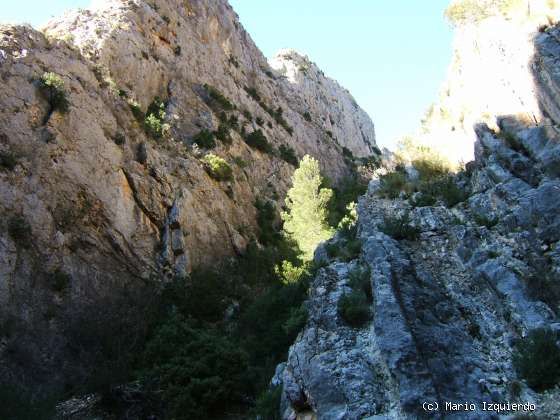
296 321
20 231
537 359
198 371
307 116
445 188
253 93
257 140
259 121
392 184
359 280
400 228
217 168
154 120
266 216
204 139
267 406
223 134
136 111
424 199
17 404
288 154
482 220
52 86
354 309
218 99
347 153
239 161
8 160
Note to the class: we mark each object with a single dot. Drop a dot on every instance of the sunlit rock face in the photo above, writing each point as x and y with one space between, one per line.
105 202
330 105
490 76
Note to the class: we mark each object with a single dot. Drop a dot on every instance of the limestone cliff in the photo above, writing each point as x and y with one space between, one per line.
91 201
490 75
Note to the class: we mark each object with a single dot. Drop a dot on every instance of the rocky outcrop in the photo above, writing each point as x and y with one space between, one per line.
322 101
92 197
490 75
447 308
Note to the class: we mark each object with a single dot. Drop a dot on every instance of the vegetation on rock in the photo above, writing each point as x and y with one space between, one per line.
217 167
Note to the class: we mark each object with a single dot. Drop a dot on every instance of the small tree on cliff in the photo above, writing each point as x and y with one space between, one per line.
306 219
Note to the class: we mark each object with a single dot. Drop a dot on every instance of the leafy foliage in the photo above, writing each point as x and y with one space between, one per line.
399 228
258 140
354 309
8 160
154 120
306 218
288 154
266 215
268 404
217 99
217 168
52 86
205 139
537 359
20 231
199 370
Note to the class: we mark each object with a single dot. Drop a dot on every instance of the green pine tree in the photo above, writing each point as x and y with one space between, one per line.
306 219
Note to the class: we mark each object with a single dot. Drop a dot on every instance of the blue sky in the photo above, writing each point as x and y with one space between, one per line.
391 54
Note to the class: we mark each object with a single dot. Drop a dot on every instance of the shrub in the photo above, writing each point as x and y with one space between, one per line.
347 153
266 216
204 139
136 111
8 160
17 404
482 220
268 404
259 121
400 228
52 87
217 99
198 370
119 139
445 188
153 122
217 168
58 281
354 309
257 140
296 321
392 184
288 154
307 116
247 115
424 200
537 359
20 231
513 142
359 280
253 93
223 134
464 11
239 161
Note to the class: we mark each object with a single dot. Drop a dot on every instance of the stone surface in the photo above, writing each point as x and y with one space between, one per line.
108 204
447 308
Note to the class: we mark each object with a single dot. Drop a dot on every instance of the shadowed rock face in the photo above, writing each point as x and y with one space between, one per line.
105 203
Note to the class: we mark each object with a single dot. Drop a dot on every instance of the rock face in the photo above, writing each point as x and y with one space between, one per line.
490 76
448 308
329 105
95 200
